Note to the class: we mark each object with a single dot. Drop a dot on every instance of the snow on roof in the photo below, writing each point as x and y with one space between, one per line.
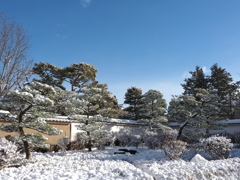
58 119
230 121
122 121
172 124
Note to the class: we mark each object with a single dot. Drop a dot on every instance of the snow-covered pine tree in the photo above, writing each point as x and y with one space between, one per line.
63 102
48 74
153 109
200 110
26 107
91 120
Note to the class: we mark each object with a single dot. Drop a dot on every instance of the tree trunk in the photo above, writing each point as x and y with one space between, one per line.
27 150
181 129
183 126
89 145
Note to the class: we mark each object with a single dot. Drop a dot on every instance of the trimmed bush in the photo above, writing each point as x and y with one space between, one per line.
217 146
174 148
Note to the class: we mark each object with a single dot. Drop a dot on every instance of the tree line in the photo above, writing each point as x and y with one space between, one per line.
206 98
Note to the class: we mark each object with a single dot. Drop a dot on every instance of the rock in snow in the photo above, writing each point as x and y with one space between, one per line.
198 159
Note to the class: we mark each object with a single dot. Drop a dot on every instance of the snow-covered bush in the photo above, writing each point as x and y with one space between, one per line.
63 143
79 142
165 139
174 148
101 139
129 139
9 153
156 139
217 146
152 140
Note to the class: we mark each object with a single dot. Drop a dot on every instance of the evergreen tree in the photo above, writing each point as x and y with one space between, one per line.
219 80
197 80
154 108
63 102
222 82
79 75
107 100
91 120
133 97
198 111
26 106
48 74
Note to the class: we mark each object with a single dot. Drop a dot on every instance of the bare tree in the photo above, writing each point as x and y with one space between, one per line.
15 64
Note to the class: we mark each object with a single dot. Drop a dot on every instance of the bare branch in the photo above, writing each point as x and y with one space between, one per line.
15 64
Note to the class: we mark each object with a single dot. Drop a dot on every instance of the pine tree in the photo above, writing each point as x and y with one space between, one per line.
197 80
26 106
222 82
48 74
154 108
63 102
107 101
198 111
133 97
79 75
91 120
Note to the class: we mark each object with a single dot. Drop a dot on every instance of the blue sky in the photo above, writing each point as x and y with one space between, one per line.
149 44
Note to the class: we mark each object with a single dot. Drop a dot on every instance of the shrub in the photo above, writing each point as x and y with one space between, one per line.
174 148
9 153
156 139
217 146
63 143
152 140
129 140
165 139
79 143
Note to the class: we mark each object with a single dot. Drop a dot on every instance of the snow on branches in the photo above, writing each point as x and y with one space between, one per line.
26 106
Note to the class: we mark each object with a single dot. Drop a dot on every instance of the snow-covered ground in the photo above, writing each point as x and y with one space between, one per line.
104 165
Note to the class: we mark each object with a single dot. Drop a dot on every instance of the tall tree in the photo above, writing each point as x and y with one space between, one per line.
197 80
198 111
222 82
79 75
91 122
26 106
133 97
154 108
49 74
107 100
15 64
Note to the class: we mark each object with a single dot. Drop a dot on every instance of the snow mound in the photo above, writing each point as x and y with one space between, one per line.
198 159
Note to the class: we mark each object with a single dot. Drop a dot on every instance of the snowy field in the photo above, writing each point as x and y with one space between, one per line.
104 165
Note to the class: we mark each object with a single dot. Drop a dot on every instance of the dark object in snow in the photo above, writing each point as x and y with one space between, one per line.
128 150
119 152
